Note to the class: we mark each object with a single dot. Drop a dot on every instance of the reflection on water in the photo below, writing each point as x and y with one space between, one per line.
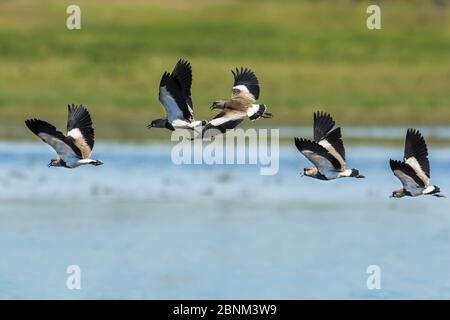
140 227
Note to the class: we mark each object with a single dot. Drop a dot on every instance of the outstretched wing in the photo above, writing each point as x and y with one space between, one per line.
328 138
175 92
323 123
407 176
79 127
227 119
64 146
245 84
416 154
318 155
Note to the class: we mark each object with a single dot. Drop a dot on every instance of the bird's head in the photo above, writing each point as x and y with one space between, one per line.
219 104
310 172
158 123
398 193
55 162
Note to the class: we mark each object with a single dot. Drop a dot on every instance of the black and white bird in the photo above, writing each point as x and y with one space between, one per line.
175 96
326 152
414 171
244 94
74 149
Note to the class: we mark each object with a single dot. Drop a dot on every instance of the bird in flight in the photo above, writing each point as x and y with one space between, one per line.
326 152
175 96
242 104
414 171
74 149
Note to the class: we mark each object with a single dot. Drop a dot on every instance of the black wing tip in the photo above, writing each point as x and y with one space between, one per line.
183 63
414 134
323 124
79 108
246 77
166 75
416 146
241 70
32 124
183 69
244 73
181 75
413 131
73 106
302 143
30 121
37 126
395 164
323 115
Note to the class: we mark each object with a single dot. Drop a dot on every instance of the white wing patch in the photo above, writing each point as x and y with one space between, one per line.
180 124
218 121
244 92
227 117
324 143
413 163
252 110
172 109
75 133
195 124
63 150
80 142
191 111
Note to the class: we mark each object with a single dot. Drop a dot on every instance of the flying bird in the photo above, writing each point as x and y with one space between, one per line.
326 152
244 94
74 149
175 96
414 171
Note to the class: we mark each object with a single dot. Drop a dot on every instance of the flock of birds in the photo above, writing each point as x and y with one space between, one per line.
326 151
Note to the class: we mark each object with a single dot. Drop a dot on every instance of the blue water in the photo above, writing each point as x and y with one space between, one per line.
385 133
141 227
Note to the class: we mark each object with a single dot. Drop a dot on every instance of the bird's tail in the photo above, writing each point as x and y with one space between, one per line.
434 191
354 173
258 111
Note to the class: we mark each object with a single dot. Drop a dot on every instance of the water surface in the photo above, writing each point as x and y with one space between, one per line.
141 227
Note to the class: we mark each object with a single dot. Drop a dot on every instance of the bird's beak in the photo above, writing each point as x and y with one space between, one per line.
50 164
213 106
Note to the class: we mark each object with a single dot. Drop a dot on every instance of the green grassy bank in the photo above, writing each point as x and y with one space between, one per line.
308 55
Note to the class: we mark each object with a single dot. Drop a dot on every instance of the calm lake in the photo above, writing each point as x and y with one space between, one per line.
140 227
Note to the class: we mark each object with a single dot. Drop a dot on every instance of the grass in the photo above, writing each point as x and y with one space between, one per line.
308 55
